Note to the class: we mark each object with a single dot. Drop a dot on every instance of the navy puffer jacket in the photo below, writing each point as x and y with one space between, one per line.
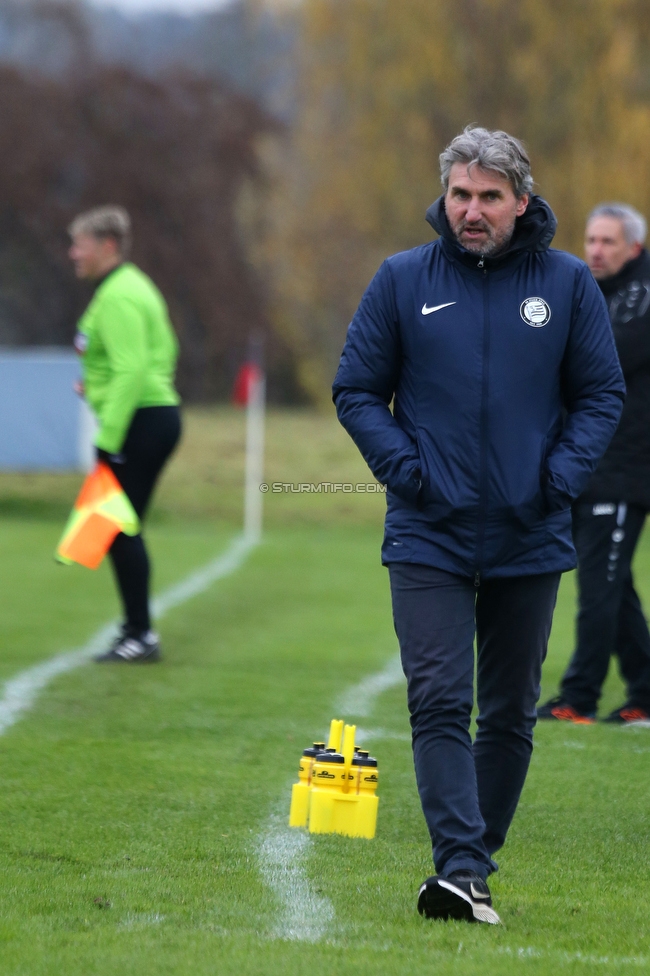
506 391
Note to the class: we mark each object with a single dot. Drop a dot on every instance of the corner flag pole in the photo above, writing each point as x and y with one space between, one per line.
255 417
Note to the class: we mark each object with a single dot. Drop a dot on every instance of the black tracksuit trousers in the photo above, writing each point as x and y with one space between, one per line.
610 616
469 792
151 438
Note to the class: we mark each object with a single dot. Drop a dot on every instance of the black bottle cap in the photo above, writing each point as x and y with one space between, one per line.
364 761
330 757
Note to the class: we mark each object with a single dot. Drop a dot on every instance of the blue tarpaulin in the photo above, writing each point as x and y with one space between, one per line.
44 426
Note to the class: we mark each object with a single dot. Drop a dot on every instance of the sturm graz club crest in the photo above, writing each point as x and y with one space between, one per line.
535 312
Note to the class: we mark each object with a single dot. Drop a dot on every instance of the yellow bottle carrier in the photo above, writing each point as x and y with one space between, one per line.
336 792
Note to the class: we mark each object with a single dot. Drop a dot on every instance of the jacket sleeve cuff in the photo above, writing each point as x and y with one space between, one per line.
410 489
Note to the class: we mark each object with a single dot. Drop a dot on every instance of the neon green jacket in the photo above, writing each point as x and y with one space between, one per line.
129 351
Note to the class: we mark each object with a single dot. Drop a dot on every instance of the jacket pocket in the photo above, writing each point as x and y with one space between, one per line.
432 501
530 511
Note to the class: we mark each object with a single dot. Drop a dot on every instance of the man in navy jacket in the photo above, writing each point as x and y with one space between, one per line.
497 354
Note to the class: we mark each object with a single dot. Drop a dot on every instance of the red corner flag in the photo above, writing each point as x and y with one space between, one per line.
248 375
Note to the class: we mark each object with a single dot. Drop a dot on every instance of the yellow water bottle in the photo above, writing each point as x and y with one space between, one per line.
328 780
366 772
299 811
365 787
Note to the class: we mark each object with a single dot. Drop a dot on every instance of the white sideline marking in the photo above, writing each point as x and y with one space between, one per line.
305 916
360 698
591 960
20 693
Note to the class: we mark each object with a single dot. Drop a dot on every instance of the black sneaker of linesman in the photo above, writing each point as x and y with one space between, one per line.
463 896
132 650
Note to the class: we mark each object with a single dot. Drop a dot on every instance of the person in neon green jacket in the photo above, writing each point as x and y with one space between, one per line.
128 353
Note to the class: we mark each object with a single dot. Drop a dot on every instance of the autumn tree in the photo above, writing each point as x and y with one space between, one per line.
180 152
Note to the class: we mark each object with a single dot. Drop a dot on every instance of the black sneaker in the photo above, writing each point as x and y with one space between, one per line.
628 714
132 650
463 896
561 711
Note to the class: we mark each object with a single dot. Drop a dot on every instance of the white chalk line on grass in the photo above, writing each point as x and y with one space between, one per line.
366 735
358 701
20 693
581 957
283 850
304 915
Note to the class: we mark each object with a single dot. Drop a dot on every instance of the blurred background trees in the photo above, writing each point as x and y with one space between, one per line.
177 147
272 154
382 89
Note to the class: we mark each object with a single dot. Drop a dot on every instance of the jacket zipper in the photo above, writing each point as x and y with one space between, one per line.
483 444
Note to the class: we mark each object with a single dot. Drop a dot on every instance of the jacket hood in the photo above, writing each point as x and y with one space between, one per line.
534 230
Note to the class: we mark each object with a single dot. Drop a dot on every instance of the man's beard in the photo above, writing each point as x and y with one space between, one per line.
493 244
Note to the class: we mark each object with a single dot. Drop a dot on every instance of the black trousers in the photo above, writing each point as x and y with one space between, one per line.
152 436
610 617
469 793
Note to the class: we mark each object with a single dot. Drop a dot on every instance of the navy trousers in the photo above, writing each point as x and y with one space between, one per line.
469 792
610 616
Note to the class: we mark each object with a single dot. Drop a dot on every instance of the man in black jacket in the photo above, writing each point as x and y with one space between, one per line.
609 515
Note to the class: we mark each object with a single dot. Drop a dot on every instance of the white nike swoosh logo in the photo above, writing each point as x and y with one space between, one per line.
436 308
477 894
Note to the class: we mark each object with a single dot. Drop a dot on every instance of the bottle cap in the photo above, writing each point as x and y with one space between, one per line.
329 756
364 761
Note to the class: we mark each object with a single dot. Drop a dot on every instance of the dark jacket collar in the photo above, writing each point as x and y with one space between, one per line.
636 268
534 231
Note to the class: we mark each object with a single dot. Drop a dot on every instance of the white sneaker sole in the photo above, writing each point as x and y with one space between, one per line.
480 911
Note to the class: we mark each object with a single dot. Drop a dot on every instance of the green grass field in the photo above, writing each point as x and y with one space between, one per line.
136 802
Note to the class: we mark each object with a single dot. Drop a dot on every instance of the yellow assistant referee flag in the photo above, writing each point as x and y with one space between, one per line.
101 510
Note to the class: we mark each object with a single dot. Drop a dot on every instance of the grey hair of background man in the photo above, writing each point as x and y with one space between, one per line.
495 151
103 222
634 224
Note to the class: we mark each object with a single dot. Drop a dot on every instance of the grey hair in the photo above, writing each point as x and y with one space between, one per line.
634 224
101 222
495 151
